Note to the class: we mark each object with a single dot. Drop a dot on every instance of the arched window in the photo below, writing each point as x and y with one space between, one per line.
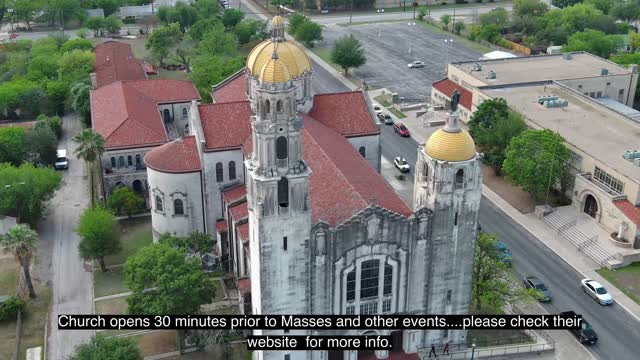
279 106
138 160
113 162
178 207
158 203
362 151
425 171
351 285
369 279
219 172
129 160
283 192
184 112
267 105
281 147
232 170
121 161
459 179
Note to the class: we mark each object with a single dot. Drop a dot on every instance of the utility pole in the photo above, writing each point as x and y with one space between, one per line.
453 26
415 4
405 5
351 13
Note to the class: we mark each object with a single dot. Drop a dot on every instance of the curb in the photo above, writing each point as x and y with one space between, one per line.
491 195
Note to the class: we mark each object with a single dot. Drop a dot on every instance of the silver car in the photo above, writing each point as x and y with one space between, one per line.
416 64
596 291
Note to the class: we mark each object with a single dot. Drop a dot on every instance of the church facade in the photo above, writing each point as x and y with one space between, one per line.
288 182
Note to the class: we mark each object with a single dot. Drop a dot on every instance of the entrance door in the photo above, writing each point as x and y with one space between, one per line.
591 206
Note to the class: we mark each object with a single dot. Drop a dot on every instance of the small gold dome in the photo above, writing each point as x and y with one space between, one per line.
451 146
274 71
277 20
295 59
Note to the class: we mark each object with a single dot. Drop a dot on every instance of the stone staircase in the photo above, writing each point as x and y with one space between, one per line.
429 119
588 245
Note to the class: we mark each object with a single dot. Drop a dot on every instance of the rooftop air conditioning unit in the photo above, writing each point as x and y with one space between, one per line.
629 154
477 67
604 72
636 161
491 75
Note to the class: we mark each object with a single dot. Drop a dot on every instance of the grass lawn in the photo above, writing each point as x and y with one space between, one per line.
483 337
227 310
117 306
169 74
397 112
8 276
461 40
108 283
157 342
134 234
325 54
627 279
384 100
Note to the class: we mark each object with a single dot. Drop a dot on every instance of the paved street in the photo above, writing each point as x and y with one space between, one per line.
72 286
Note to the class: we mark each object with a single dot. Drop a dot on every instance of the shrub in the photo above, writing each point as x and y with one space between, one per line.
9 310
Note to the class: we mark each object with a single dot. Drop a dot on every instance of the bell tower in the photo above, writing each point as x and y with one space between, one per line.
449 183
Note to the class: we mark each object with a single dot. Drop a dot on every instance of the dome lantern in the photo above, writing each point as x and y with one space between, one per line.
451 143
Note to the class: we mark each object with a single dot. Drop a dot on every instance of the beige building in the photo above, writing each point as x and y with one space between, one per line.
607 184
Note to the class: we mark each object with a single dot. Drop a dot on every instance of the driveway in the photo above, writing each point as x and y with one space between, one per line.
72 284
389 47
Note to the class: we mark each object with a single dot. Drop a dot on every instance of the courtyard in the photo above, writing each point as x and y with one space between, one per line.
389 47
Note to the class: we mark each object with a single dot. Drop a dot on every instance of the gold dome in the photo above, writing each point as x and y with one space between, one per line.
277 21
293 57
274 71
450 146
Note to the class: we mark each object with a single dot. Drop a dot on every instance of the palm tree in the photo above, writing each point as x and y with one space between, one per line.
22 242
90 147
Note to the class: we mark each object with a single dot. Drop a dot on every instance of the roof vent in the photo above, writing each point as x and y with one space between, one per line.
567 56
636 162
604 71
631 155
542 99
476 67
555 103
491 74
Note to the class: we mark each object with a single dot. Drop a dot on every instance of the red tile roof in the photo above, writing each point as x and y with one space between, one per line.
446 87
221 225
347 113
177 156
629 210
234 88
225 125
239 212
243 231
234 194
126 113
244 286
115 61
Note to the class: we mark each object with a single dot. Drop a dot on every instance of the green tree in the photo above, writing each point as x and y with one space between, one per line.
80 100
499 137
348 53
82 33
308 33
484 117
534 160
195 244
42 144
13 147
564 3
96 24
12 94
57 92
626 10
185 51
445 20
163 40
458 27
90 148
166 270
22 242
112 24
498 17
422 12
27 10
210 70
32 102
602 5
44 46
231 18
125 201
595 42
207 8
97 230
76 44
76 65
108 6
43 67
529 8
103 348
295 20
26 191
201 26
54 123
217 42
492 286
626 58
246 30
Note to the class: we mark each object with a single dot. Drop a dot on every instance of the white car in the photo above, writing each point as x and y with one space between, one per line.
596 291
61 160
416 64
401 164
377 109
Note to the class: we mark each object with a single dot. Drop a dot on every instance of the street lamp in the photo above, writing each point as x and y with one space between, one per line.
473 350
351 13
446 42
411 35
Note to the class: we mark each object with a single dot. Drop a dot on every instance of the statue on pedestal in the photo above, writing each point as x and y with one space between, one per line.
455 100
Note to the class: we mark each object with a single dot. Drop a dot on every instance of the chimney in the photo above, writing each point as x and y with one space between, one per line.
94 81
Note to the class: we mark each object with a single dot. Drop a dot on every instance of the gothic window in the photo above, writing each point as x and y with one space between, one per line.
121 161
232 170
279 106
113 162
459 179
178 207
351 285
138 160
388 278
362 151
267 105
284 243
129 160
159 203
219 173
283 192
425 171
369 278
281 147
386 306
448 297
455 219
184 112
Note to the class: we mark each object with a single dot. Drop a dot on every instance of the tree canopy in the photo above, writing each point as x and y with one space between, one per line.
103 348
595 42
348 53
124 201
97 230
163 40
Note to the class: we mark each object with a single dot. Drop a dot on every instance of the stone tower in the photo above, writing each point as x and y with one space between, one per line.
449 182
278 198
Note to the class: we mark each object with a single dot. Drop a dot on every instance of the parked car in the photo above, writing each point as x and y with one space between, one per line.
401 164
504 252
532 282
416 64
401 130
377 109
586 334
385 118
61 160
596 291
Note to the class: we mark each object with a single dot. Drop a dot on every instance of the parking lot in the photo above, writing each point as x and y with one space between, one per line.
387 47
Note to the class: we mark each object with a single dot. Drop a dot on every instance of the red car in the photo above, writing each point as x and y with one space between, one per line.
401 130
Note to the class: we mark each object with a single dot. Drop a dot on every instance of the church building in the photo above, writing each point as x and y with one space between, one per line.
288 183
